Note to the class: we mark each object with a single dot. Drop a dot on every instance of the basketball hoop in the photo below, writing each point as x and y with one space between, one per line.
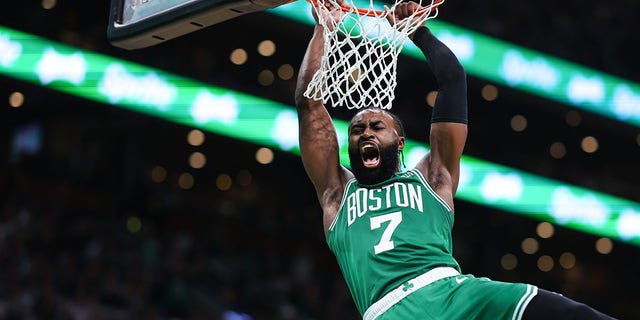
361 48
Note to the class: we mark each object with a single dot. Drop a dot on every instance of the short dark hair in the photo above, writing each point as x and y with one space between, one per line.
394 117
397 121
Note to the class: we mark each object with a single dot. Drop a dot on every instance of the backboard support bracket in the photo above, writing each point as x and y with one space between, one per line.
137 24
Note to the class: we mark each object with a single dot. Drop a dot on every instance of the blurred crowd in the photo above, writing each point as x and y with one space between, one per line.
70 251
89 236
85 238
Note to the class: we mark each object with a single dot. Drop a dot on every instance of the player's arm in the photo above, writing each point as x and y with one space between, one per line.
317 135
449 118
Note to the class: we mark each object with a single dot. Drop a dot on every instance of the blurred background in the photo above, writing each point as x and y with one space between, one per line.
108 213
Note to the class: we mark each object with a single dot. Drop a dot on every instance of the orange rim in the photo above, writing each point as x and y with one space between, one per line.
369 12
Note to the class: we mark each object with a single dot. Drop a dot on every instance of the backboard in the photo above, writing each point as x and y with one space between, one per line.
136 24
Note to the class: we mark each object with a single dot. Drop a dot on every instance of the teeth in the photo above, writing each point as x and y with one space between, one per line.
370 154
366 147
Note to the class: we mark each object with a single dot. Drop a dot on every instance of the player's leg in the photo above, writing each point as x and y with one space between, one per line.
547 305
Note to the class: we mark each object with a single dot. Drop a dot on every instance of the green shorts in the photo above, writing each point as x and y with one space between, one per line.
464 297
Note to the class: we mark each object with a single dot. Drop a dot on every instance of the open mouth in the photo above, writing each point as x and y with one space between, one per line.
370 153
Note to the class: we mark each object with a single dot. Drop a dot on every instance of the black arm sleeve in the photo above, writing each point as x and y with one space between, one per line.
451 103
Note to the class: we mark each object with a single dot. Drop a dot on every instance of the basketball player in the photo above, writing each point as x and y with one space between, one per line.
391 231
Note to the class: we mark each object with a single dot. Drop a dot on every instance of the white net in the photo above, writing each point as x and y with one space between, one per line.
361 48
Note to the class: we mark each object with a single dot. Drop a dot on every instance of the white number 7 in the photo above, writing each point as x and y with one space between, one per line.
394 219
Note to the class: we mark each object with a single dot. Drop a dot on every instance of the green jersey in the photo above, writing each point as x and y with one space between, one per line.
388 233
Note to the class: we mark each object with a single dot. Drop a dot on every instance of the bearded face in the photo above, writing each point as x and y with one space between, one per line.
374 145
372 163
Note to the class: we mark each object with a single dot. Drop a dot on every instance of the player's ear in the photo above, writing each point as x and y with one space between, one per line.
400 144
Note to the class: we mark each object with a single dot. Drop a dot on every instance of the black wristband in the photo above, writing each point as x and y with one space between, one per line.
451 102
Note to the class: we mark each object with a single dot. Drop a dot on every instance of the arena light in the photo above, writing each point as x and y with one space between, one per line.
157 93
523 69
